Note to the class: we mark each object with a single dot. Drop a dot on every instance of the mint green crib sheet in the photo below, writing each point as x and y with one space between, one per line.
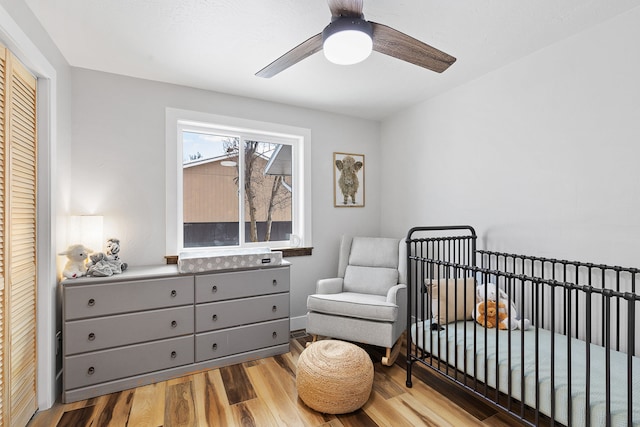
458 337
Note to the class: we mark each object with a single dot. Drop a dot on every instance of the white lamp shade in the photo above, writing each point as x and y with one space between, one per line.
86 230
347 47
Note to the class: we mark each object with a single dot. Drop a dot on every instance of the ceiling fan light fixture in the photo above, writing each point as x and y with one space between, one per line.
347 41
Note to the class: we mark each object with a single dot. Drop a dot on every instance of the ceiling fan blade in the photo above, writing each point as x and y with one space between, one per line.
295 55
399 45
347 8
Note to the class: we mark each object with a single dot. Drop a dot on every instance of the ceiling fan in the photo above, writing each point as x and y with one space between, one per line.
349 39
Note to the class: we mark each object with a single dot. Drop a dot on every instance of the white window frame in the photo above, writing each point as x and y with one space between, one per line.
178 121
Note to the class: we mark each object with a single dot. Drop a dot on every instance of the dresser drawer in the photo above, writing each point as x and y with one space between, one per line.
81 336
219 315
93 368
222 286
122 297
225 342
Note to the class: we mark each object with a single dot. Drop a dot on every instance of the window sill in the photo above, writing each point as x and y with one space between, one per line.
286 253
291 252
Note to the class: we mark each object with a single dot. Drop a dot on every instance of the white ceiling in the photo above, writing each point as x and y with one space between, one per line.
219 44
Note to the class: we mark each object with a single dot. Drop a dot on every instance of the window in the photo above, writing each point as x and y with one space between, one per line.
235 183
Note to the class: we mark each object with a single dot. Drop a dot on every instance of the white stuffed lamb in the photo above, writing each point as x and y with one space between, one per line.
75 266
494 293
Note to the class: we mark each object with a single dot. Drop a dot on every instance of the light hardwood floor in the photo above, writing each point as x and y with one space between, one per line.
263 393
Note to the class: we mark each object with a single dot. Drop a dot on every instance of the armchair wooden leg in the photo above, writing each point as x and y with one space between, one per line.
392 354
315 338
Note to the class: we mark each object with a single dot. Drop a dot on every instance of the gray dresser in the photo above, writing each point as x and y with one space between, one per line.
150 324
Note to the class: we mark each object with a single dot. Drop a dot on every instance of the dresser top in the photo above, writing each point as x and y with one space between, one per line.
151 272
132 273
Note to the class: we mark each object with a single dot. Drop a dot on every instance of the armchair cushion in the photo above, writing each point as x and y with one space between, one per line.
368 280
374 252
351 304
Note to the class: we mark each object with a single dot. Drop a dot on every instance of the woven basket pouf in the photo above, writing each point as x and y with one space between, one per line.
334 377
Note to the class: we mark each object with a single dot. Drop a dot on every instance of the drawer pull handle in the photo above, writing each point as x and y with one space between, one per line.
174 354
214 347
214 289
214 317
173 293
274 335
91 370
275 282
91 302
92 336
274 308
174 323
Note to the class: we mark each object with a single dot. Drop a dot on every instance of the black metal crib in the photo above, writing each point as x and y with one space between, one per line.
575 365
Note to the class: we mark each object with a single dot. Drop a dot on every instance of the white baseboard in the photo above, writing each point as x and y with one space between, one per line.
297 323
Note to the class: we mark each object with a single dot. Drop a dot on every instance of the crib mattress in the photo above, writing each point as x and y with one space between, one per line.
196 262
458 337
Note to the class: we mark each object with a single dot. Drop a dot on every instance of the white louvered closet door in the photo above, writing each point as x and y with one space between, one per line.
18 156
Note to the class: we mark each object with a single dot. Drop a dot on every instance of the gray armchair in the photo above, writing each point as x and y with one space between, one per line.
367 301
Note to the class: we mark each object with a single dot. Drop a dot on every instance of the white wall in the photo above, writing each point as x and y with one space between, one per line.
118 158
541 156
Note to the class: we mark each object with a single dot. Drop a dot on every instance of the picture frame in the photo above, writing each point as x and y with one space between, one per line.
348 180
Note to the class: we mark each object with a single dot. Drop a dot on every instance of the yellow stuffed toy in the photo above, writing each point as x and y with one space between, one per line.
486 314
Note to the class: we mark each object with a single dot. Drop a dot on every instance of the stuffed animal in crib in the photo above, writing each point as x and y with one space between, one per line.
486 312
493 293
76 257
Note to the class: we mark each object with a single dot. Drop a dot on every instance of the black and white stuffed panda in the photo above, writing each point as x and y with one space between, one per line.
113 251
